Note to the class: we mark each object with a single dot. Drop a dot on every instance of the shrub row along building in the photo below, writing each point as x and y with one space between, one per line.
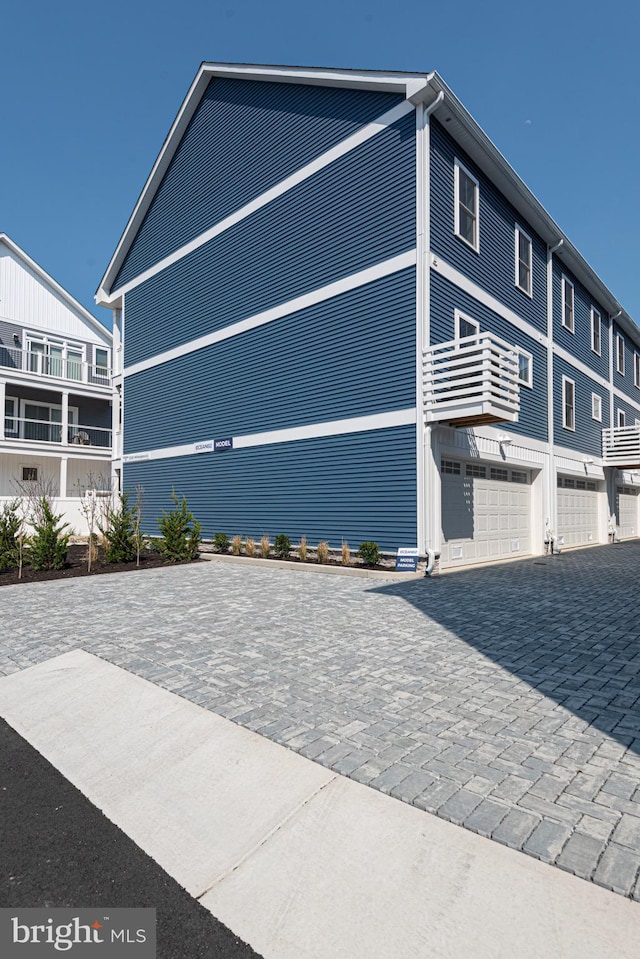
339 312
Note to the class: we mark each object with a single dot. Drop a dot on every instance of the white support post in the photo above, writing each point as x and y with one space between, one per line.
2 399
65 417
63 476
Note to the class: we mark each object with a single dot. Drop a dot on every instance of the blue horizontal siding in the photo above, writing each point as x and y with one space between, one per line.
244 137
493 268
587 437
579 342
625 383
445 299
355 487
349 216
631 412
352 355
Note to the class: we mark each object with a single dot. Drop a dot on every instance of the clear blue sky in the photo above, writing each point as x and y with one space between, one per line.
89 92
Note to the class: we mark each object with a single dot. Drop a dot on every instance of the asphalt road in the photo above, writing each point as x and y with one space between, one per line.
58 850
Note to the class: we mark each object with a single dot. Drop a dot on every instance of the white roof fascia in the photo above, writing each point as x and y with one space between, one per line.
411 85
60 290
466 131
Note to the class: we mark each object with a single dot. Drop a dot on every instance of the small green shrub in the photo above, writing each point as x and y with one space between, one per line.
179 532
10 525
369 553
303 549
282 546
49 544
220 543
236 545
322 552
119 533
265 547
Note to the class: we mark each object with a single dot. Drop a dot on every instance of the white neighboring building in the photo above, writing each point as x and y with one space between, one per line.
55 387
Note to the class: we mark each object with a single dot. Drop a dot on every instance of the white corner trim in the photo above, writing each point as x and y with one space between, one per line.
304 173
386 268
357 424
458 279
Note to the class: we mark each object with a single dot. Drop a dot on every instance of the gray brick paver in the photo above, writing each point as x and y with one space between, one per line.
523 724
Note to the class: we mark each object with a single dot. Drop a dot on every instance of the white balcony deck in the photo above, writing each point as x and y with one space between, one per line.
621 447
19 429
70 370
471 381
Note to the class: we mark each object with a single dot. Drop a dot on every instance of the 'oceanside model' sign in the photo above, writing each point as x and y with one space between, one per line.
406 560
223 444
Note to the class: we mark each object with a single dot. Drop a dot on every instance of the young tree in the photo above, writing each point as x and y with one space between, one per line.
180 532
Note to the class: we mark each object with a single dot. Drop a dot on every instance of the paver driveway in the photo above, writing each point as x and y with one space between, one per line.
505 699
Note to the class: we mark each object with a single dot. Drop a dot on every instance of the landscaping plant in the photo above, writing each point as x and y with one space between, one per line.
220 543
236 545
303 549
250 546
119 533
322 552
369 553
49 544
10 530
346 553
265 547
180 532
282 546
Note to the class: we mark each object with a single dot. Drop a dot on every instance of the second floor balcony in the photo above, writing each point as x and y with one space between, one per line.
54 363
471 381
47 431
621 447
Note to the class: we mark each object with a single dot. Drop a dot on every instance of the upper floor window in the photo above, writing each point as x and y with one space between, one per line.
568 403
467 196
620 353
636 369
568 318
525 367
596 407
622 418
10 416
523 261
465 326
59 358
596 331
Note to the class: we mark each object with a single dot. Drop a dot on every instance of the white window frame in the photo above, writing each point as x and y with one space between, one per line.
56 341
15 416
524 289
28 466
565 424
636 370
620 354
567 284
596 324
458 167
621 419
106 349
528 382
459 315
596 407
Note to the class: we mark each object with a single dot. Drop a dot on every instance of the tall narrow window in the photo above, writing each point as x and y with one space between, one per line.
620 353
568 319
622 418
636 369
466 206
523 261
465 326
568 403
596 407
525 367
596 331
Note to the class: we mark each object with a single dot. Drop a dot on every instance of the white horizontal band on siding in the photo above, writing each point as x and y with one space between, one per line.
356 424
325 159
458 279
394 265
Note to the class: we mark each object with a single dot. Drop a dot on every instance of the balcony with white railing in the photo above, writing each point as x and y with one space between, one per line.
50 365
21 428
621 447
471 381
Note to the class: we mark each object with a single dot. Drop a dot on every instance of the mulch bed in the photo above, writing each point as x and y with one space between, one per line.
77 566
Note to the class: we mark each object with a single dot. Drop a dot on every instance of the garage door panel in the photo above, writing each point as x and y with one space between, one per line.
627 511
577 512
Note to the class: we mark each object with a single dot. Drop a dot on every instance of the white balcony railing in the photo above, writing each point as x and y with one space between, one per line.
472 380
58 367
50 431
621 446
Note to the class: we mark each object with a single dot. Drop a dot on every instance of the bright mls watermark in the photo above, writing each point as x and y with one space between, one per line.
100 933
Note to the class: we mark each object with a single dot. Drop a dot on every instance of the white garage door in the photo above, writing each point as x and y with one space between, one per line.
627 510
577 511
486 512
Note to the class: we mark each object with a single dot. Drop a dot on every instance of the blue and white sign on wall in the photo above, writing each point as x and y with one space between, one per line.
226 443
204 447
406 560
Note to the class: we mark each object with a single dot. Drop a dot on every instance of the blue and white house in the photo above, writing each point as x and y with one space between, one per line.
339 312
55 389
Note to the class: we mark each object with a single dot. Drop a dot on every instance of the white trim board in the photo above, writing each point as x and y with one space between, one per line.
344 285
304 173
358 424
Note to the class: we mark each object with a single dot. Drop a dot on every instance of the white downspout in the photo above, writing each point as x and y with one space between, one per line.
552 480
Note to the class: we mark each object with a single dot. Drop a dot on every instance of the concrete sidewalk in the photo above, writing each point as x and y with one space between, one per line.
295 859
